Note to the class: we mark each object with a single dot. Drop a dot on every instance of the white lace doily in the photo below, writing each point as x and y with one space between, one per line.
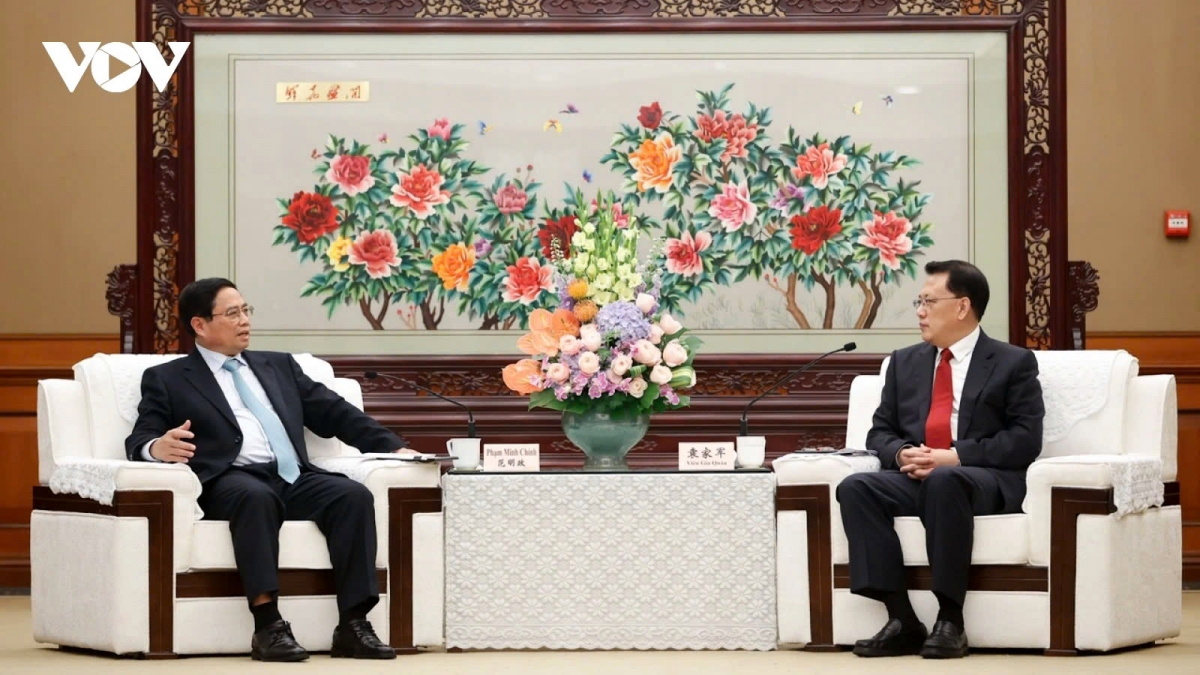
1074 387
857 463
1136 479
355 467
125 372
97 478
610 561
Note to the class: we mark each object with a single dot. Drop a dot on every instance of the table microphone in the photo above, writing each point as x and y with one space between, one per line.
848 347
371 375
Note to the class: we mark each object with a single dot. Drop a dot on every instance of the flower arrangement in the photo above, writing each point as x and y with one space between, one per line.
607 348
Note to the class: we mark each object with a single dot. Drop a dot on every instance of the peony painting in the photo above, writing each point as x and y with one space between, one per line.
788 191
407 230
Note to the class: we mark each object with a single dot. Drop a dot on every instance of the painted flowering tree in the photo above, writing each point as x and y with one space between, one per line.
422 229
416 228
804 212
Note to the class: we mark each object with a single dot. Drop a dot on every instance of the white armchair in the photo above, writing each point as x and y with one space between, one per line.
1094 561
122 564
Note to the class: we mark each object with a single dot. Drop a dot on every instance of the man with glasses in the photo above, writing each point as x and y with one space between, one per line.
959 421
237 418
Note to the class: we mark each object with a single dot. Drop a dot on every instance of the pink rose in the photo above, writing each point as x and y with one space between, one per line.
569 345
674 354
351 173
591 337
526 280
440 129
820 163
656 334
376 250
613 377
645 353
637 388
889 235
622 364
589 363
683 254
669 325
510 199
733 207
645 302
660 375
558 372
420 191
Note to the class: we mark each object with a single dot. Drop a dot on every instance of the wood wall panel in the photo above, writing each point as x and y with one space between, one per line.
1177 354
25 359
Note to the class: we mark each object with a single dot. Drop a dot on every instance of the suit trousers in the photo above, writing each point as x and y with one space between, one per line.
946 501
256 502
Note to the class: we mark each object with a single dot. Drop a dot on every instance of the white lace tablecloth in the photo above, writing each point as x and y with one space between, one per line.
610 561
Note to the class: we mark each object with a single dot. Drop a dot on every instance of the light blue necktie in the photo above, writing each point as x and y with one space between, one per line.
281 445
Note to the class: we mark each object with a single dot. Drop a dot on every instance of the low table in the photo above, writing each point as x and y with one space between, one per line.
641 559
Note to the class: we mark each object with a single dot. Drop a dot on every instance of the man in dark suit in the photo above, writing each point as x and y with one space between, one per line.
237 418
959 421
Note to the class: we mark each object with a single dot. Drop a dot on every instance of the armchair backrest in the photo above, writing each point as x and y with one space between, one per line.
101 404
1085 394
1095 404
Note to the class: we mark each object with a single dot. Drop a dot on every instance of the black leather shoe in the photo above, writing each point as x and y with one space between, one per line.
276 643
946 641
356 639
893 640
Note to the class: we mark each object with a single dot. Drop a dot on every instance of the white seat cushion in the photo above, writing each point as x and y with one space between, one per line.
999 540
301 546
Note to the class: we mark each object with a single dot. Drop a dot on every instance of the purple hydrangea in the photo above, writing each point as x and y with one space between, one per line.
668 393
625 320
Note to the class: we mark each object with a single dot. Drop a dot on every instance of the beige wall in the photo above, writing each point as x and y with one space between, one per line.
1133 134
70 172
1133 131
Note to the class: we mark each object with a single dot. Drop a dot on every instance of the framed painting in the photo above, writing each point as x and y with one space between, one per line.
363 219
385 180
811 157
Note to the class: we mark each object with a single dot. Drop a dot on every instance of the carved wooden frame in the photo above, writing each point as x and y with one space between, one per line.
1066 505
1044 304
1040 307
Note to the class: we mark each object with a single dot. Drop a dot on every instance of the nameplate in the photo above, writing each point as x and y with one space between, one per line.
706 456
511 457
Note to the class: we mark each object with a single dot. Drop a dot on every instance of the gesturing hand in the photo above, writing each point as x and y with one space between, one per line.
172 447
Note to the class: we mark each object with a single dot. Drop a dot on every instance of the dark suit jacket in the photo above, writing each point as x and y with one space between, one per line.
1000 412
185 389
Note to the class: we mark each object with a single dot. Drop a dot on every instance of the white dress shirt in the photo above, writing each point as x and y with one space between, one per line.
959 364
255 448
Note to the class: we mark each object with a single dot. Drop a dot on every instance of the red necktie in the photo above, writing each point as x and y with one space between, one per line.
937 425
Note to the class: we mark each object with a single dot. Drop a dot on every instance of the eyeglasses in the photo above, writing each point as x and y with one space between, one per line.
234 313
926 302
